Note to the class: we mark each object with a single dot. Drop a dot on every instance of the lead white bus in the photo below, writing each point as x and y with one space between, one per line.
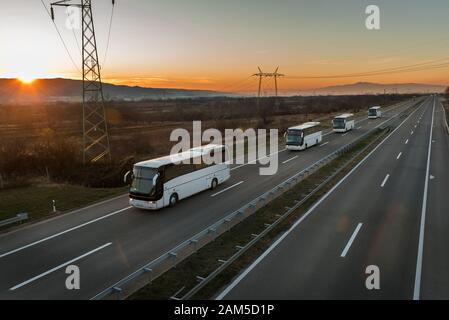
162 182
374 112
303 136
343 123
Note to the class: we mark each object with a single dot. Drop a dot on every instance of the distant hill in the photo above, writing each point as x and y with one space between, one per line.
46 90
375 88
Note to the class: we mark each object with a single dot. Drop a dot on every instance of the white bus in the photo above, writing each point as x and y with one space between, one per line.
303 136
162 182
343 123
374 113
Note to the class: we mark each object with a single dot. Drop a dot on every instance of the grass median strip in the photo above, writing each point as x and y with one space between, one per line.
202 263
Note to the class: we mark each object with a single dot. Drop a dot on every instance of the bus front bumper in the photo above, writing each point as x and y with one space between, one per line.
147 205
294 148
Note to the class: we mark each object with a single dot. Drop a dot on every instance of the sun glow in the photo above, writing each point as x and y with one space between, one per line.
26 79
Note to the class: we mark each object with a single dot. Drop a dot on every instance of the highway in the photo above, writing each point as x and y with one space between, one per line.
390 212
110 240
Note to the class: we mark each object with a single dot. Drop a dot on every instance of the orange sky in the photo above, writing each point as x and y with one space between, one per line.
217 45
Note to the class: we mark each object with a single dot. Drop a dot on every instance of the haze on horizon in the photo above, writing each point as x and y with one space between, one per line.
217 45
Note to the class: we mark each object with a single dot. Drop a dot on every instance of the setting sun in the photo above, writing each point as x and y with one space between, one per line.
26 79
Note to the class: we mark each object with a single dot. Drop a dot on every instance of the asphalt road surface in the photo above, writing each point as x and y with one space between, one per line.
110 240
388 218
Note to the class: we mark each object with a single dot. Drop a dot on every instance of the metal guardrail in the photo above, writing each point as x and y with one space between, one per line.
18 218
157 267
445 118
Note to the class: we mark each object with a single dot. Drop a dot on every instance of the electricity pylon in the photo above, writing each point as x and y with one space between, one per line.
274 75
96 145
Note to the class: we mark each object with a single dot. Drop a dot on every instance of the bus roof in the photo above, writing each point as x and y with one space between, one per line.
179 157
375 108
304 126
344 116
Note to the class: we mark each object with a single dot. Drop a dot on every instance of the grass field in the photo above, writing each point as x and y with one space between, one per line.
37 200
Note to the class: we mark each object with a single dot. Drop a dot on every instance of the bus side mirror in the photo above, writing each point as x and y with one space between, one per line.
155 178
127 177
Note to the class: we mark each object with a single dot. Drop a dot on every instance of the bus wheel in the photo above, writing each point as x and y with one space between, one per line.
173 200
214 184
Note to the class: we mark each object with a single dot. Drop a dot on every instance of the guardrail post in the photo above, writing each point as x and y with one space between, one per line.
118 292
173 255
195 243
150 273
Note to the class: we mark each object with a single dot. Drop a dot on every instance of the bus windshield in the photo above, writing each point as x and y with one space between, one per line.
372 112
339 123
294 137
143 180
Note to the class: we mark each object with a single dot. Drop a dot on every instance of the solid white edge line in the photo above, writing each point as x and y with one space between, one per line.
62 232
287 161
59 267
417 288
385 181
351 240
300 220
228 188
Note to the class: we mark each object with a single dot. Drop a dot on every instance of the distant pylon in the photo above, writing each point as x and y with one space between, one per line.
95 127
274 75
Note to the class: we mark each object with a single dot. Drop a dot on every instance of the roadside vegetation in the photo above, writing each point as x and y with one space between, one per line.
37 200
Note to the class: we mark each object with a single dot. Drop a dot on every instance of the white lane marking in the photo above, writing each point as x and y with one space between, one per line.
229 288
59 267
359 128
412 132
417 290
399 156
351 240
63 232
286 161
385 181
228 188
406 142
323 144
254 161
344 134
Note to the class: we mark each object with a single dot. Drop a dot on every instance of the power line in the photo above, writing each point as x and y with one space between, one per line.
402 69
61 38
109 35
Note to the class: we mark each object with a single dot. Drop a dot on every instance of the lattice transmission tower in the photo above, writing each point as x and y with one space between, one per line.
274 75
95 126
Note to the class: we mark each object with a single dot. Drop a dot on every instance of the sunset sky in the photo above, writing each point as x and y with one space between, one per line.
212 44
